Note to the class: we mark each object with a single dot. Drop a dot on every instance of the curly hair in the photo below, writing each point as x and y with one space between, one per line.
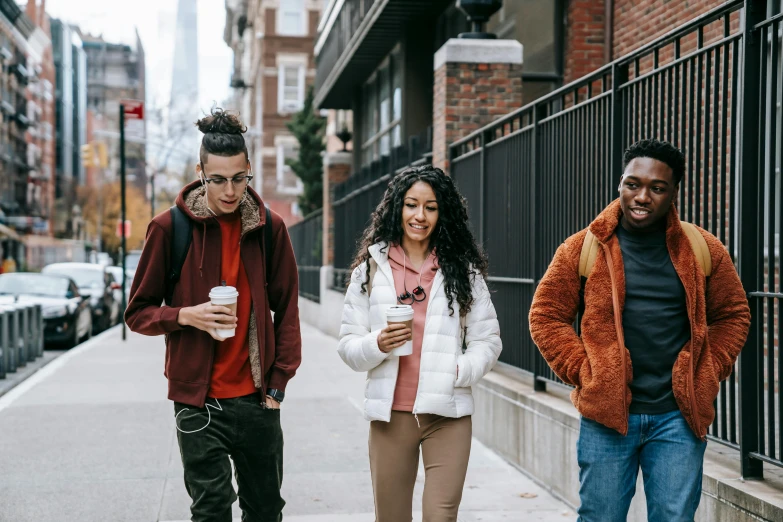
658 150
459 257
223 134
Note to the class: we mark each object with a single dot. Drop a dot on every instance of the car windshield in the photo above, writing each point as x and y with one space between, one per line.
132 261
84 277
33 284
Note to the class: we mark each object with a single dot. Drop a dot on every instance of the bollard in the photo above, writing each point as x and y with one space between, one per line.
18 336
12 340
27 329
32 335
4 352
39 329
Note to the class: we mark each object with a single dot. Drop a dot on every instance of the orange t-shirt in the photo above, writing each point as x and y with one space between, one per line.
231 375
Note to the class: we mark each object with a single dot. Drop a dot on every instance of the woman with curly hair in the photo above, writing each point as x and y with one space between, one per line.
418 250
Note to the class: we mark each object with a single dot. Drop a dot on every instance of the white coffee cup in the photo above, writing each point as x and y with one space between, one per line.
225 296
401 314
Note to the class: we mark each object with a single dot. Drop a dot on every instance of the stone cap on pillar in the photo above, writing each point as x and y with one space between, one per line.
466 50
338 158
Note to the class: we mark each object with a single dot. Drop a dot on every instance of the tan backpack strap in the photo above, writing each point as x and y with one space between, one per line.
699 246
588 255
373 270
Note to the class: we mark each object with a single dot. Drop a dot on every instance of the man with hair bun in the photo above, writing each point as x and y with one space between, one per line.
663 318
226 389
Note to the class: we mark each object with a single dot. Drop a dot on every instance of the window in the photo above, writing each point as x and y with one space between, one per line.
291 18
382 111
291 85
287 181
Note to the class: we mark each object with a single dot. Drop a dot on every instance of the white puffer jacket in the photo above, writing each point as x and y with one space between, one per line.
440 390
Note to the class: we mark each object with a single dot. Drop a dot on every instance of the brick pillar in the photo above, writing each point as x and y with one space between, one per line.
337 168
476 82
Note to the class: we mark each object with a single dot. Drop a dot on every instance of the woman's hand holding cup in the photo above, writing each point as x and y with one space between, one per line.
394 336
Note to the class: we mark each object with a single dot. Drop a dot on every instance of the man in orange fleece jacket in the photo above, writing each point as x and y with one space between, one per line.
657 337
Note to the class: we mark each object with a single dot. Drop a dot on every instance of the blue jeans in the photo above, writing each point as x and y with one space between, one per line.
671 458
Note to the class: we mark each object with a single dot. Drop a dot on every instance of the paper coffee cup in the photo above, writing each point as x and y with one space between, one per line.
401 314
225 296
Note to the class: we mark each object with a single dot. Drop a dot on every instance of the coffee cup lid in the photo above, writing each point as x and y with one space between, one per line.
399 310
223 291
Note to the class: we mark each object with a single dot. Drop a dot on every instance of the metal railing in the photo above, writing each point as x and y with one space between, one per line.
545 171
307 240
356 199
21 336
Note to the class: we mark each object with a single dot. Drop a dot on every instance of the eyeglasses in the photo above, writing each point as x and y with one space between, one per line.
238 182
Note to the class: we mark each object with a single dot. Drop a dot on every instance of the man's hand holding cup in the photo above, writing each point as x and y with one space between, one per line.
218 317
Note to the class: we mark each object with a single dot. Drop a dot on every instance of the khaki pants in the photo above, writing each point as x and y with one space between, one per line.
394 463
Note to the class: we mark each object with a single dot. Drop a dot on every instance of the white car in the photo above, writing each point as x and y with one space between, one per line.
116 271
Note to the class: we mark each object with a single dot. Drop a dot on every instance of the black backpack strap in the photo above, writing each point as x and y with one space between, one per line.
268 241
181 237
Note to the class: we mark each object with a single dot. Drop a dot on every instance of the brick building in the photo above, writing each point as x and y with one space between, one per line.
362 46
273 68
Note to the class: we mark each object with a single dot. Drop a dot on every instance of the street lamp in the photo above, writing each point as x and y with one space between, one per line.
478 13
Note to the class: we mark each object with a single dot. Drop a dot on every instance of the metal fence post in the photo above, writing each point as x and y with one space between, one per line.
751 241
539 385
482 188
619 77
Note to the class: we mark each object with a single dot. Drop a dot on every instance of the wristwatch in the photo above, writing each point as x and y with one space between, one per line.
276 394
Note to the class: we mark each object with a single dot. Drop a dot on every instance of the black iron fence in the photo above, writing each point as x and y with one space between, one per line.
356 198
545 171
307 240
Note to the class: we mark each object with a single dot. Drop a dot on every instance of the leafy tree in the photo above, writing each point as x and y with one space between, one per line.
137 211
308 128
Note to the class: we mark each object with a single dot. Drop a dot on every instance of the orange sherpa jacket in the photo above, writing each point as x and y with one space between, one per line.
598 364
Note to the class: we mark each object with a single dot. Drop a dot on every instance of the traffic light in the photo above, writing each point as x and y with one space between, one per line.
103 156
88 155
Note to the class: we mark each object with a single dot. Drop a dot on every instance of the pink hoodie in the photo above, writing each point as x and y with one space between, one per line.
408 376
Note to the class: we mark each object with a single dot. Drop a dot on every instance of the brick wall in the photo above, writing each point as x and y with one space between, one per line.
638 22
585 38
469 96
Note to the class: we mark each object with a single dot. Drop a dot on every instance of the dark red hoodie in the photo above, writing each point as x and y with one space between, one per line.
275 348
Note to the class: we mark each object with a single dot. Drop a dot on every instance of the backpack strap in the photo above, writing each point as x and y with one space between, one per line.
181 237
588 255
373 270
268 240
699 246
697 241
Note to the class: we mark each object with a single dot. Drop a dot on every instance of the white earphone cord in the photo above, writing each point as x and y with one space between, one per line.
209 417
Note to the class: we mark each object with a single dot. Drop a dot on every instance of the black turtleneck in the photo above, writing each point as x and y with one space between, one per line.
655 318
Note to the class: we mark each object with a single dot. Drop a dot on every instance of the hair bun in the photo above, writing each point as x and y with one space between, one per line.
221 122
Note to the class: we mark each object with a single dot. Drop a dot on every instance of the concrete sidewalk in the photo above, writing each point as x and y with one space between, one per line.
91 437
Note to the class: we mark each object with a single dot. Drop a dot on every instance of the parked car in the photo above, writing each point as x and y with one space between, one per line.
116 272
96 282
132 261
66 313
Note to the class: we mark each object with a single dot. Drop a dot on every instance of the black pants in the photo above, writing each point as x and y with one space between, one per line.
248 433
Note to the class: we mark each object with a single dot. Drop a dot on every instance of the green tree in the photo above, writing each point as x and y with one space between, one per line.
308 128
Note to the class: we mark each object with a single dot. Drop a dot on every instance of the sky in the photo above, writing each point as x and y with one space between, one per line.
156 20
